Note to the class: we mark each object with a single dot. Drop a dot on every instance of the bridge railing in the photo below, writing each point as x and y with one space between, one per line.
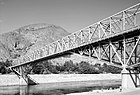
115 24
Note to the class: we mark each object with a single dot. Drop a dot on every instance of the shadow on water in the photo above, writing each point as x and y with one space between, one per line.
45 89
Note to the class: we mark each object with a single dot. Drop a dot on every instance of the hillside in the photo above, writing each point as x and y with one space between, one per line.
21 41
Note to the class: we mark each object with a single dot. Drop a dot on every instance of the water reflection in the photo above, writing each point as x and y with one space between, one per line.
48 89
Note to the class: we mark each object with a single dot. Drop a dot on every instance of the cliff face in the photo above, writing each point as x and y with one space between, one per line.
28 38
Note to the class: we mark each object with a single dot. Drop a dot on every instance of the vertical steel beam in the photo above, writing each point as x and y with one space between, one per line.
110 52
99 43
123 20
89 54
135 52
99 51
110 21
124 50
90 34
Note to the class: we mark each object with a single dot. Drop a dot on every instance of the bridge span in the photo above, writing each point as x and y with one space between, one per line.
115 40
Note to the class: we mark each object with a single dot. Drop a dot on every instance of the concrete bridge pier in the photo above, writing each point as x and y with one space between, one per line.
130 79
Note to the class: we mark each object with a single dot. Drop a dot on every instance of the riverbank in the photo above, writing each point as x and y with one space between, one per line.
135 91
6 80
60 88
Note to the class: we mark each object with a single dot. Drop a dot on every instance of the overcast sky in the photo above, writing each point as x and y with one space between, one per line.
72 15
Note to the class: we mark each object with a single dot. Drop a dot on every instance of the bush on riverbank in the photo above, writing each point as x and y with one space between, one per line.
47 67
69 67
3 67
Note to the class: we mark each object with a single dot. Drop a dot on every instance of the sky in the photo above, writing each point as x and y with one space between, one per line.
72 15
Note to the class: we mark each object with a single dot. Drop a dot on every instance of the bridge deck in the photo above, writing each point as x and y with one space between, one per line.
128 33
114 28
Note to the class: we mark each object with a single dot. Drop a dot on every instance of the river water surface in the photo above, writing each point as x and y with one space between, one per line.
55 88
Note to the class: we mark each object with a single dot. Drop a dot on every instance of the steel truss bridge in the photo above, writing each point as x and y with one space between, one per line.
115 40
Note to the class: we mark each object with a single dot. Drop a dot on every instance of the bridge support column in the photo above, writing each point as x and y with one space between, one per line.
130 79
22 81
26 80
22 78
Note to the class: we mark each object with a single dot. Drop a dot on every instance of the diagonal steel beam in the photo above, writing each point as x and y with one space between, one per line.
103 29
104 51
96 54
116 53
133 50
94 32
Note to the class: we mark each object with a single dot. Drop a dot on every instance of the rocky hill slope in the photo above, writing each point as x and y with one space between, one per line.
25 39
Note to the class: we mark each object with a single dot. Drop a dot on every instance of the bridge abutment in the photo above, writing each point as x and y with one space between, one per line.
130 79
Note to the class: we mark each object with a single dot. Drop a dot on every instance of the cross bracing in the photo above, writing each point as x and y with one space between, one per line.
114 39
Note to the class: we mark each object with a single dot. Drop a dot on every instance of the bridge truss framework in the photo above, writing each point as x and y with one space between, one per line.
115 40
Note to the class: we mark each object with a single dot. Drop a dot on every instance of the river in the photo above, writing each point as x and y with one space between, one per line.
56 88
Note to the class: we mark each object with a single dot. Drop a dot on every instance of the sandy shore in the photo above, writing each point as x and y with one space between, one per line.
6 80
110 92
59 88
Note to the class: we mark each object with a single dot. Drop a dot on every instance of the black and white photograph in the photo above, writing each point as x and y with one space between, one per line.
69 47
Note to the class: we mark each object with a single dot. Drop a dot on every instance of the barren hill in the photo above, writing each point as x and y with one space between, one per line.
25 39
